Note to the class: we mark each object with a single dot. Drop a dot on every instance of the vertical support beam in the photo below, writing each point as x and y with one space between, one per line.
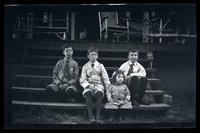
160 30
100 26
73 26
29 25
65 36
17 27
145 30
128 14
50 19
153 14
106 26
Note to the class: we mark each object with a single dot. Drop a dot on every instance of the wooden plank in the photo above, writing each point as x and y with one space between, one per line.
152 92
155 92
153 107
47 27
51 67
172 35
51 104
152 80
85 58
29 88
106 46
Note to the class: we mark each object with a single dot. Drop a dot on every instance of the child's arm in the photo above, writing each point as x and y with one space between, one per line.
55 74
83 79
141 72
127 93
75 75
105 76
109 93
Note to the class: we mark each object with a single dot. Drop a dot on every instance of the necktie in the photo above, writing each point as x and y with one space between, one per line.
66 69
130 70
92 65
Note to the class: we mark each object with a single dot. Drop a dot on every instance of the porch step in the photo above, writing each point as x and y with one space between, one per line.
152 92
47 70
41 81
153 107
35 94
85 58
50 77
107 61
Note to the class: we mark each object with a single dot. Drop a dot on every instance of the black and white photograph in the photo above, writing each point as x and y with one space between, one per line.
94 66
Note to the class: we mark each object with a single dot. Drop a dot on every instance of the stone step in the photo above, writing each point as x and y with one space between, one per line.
153 107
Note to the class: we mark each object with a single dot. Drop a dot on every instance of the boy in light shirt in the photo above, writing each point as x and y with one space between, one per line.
94 79
135 75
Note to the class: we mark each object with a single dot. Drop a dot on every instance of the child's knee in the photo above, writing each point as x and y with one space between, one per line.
99 94
52 88
88 94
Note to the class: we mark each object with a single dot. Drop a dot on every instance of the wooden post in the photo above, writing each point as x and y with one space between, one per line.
73 26
160 30
106 32
50 19
128 14
17 27
65 36
100 26
29 25
145 30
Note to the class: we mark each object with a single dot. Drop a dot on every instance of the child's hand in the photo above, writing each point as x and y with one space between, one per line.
110 101
61 86
127 77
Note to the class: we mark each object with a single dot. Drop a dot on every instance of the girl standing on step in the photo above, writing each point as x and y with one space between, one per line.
118 94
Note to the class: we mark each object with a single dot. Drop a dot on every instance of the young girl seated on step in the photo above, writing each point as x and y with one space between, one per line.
118 94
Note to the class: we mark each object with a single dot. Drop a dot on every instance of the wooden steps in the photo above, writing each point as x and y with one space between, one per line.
47 70
85 58
152 80
41 81
152 107
39 59
152 92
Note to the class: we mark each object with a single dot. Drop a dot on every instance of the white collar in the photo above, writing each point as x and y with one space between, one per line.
129 62
93 63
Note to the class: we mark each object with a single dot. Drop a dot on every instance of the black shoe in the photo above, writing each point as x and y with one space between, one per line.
134 103
144 103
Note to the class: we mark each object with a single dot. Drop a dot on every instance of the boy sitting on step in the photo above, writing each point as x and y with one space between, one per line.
94 79
136 79
65 75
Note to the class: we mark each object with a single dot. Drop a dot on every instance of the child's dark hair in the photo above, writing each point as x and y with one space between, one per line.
132 50
66 45
117 72
93 49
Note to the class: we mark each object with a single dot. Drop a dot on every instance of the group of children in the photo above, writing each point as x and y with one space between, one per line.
126 89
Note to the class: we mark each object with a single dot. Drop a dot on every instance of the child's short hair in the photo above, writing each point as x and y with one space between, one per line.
132 50
117 72
66 45
92 49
